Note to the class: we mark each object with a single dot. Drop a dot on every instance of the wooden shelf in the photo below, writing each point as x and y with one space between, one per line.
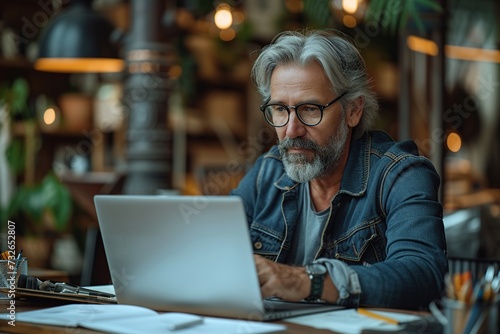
16 63
18 130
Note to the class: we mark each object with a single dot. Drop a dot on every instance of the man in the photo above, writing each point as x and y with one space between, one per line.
338 213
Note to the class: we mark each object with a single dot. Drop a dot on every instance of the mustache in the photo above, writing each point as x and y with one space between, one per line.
288 143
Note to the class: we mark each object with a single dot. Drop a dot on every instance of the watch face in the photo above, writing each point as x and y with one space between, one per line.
316 269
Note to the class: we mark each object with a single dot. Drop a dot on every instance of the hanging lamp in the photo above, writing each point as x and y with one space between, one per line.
78 40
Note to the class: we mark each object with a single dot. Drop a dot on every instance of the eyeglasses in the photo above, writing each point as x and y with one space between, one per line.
309 114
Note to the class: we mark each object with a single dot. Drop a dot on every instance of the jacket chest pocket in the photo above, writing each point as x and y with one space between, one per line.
264 243
362 245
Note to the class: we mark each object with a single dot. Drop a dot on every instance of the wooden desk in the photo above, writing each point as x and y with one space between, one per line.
44 329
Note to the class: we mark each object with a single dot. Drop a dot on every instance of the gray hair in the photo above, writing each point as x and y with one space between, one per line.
339 58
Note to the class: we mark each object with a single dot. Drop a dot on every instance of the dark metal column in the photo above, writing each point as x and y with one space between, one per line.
146 92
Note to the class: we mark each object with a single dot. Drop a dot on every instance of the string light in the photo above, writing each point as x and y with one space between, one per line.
454 142
422 45
349 21
429 47
227 34
223 18
49 116
350 6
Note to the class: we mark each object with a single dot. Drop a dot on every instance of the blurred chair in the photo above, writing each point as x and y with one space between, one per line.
83 187
462 230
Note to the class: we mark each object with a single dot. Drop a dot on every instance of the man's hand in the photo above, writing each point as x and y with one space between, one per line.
282 281
289 283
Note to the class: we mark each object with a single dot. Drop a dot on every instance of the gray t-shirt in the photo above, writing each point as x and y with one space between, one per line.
307 237
307 241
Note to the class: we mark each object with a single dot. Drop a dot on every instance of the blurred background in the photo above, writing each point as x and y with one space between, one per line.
155 97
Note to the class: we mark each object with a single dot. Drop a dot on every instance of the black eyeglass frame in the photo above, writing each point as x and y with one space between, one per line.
320 107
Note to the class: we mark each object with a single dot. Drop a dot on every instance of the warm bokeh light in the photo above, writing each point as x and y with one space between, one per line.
49 116
223 18
184 18
350 6
238 17
422 45
429 47
473 54
495 210
227 34
454 142
80 65
175 71
294 6
349 21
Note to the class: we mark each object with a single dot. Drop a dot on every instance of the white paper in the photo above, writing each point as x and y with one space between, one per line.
102 288
73 314
157 324
130 319
349 321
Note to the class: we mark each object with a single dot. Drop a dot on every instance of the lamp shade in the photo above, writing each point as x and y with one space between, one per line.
78 40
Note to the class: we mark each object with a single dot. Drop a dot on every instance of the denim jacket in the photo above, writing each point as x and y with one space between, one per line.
385 222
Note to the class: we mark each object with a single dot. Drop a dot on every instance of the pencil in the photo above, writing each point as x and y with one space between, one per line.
18 259
377 316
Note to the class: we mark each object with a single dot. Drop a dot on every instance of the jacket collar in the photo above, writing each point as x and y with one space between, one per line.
355 178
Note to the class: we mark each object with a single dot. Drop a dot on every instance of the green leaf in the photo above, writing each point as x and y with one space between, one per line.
15 156
33 205
15 209
431 4
408 8
57 200
318 11
19 96
4 94
375 9
394 15
62 213
49 196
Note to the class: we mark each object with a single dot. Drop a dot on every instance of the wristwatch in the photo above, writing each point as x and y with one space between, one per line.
316 273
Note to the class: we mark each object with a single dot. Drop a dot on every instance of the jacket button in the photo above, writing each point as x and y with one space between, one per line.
257 245
337 255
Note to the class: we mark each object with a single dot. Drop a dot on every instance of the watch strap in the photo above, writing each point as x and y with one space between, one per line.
317 282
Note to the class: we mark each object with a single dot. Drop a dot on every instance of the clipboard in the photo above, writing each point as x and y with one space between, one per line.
22 293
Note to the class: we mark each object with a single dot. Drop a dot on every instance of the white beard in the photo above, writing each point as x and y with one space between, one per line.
326 158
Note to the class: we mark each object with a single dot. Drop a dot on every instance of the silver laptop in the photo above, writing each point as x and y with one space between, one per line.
188 254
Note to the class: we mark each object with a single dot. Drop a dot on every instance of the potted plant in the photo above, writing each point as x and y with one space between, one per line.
40 208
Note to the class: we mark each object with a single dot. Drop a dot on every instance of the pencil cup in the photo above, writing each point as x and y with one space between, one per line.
492 321
452 315
483 319
458 317
9 274
456 313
